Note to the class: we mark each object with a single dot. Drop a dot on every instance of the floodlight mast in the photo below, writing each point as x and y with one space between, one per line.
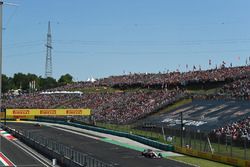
1 51
11 4
1 45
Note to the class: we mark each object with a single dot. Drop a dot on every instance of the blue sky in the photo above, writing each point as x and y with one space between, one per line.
100 38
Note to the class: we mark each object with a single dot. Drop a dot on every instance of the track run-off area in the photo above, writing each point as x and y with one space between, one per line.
118 151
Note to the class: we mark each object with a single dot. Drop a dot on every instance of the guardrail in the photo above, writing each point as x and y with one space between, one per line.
137 138
66 156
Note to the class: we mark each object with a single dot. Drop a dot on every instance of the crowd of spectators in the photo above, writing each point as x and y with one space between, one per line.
115 107
75 86
164 80
238 131
38 100
176 78
125 106
237 89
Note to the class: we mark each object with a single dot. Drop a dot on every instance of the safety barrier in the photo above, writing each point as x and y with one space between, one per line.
137 138
214 157
205 155
65 155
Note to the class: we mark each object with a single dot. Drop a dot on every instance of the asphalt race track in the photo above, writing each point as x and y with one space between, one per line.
113 154
17 155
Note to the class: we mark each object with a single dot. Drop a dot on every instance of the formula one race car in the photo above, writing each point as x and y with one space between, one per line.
38 125
151 154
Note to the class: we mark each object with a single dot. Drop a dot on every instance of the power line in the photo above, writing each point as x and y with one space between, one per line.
11 17
23 45
165 43
23 54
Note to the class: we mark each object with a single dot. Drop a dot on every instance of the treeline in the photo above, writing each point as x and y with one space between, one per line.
26 82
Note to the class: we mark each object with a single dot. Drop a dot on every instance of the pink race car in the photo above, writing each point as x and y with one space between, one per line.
151 154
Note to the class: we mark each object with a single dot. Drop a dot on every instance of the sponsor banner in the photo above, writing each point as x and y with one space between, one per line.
178 149
247 164
231 160
2 114
213 157
216 158
192 152
19 113
20 117
203 155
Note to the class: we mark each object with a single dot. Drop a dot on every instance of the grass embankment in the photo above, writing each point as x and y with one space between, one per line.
149 134
132 128
205 92
174 106
102 89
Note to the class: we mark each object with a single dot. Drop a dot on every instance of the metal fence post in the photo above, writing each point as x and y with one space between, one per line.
72 154
231 147
199 137
81 159
195 140
89 162
218 143
182 128
245 147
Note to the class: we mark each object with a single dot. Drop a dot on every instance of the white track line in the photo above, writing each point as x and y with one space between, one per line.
28 152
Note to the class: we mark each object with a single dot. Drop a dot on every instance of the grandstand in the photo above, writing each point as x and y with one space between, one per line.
136 96
217 107
205 114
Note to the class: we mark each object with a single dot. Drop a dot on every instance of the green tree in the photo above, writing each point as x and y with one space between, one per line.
47 83
65 79
22 80
19 80
33 78
7 83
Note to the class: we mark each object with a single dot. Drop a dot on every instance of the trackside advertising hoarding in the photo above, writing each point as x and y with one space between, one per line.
214 157
47 112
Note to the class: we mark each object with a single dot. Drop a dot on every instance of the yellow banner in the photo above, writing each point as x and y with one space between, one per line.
47 112
214 157
20 116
